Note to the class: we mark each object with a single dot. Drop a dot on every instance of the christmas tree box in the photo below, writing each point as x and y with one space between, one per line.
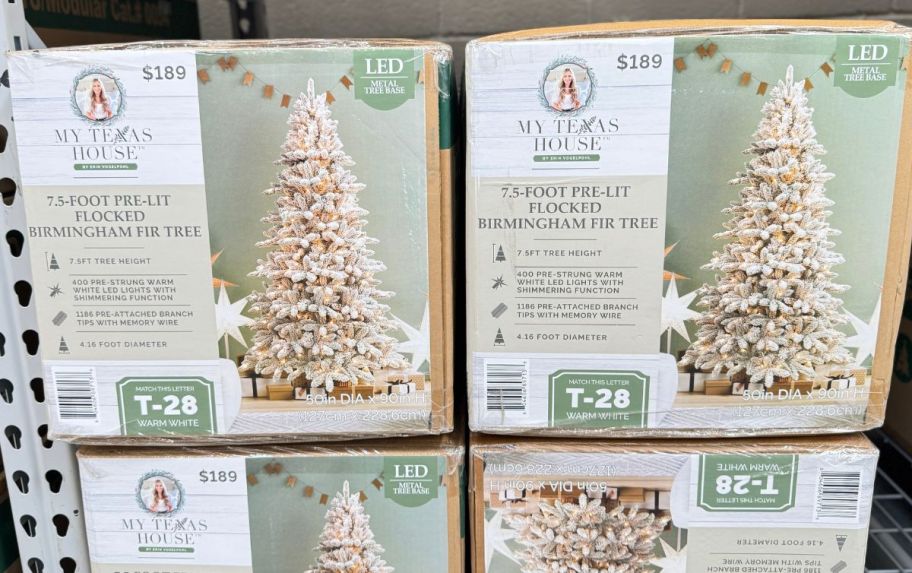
686 227
173 292
683 506
271 509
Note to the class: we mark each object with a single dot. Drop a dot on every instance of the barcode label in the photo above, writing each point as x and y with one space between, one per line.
506 385
77 393
838 495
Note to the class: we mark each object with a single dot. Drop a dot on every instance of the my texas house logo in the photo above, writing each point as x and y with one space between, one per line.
100 141
567 129
104 148
162 527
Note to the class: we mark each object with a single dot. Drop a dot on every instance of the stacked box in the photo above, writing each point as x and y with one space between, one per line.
632 271
276 509
178 301
798 504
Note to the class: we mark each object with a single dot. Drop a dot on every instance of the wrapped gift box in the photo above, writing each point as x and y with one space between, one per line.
632 496
279 391
401 377
657 500
401 388
692 380
804 385
303 393
718 387
363 390
739 388
841 380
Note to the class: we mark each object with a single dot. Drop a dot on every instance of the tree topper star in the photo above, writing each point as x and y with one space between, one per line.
675 310
229 317
418 341
673 561
496 537
865 338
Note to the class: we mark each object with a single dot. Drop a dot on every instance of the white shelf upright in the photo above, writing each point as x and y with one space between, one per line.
44 485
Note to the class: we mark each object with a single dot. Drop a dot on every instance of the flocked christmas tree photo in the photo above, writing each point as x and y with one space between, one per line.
774 312
347 543
586 536
320 322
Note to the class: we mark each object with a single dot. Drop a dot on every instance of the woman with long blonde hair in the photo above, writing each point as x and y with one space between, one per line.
567 97
161 501
98 106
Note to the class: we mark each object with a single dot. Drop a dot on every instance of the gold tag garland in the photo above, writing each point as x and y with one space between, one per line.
291 481
709 49
231 63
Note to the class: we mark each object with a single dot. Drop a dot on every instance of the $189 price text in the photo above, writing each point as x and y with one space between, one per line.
163 73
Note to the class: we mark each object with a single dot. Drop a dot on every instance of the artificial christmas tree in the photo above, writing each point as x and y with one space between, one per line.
319 320
587 537
773 313
347 543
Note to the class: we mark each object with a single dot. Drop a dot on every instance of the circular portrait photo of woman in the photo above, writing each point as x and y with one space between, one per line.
159 493
97 96
567 87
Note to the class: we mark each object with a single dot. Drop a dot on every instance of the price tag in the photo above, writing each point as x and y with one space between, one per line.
164 73
641 61
598 398
747 483
166 405
218 476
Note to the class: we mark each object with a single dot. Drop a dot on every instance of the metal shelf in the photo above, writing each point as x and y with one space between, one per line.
890 540
43 480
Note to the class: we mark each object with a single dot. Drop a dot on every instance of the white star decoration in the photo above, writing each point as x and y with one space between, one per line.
496 537
675 311
865 338
228 317
418 342
674 561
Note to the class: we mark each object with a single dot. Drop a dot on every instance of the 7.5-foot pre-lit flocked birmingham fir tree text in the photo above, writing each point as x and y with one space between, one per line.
347 543
772 313
319 320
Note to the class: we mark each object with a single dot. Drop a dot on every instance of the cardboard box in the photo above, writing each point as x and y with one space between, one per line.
249 508
616 231
691 502
171 271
